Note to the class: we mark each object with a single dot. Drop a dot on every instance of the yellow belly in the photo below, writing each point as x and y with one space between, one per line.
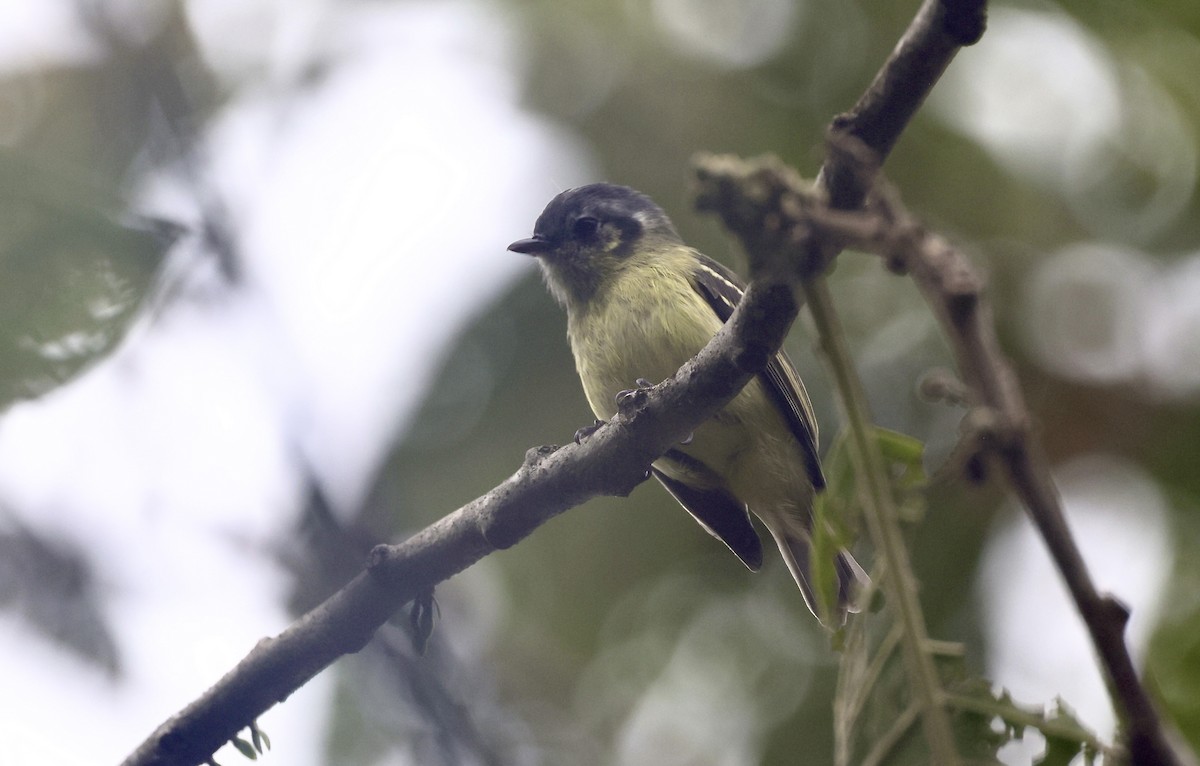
748 444
631 333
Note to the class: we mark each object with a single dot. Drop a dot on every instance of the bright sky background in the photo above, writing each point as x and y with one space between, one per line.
376 212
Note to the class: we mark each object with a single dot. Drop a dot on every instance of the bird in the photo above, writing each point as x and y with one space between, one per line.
640 303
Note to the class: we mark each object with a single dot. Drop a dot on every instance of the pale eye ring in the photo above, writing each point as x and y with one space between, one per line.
585 227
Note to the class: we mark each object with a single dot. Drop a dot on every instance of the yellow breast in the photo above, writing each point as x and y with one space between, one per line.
648 322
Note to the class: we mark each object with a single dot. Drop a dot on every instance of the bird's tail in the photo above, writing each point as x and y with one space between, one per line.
851 578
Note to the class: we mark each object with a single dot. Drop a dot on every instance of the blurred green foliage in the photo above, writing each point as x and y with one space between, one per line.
72 278
609 591
645 106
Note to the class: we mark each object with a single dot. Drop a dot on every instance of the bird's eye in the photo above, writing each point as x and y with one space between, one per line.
585 227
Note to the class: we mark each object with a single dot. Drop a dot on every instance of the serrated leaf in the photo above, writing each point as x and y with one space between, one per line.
1066 738
1059 752
876 721
837 505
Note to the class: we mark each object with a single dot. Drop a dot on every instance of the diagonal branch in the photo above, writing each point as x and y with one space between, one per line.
876 122
765 204
612 461
760 202
1004 429
1001 424
859 142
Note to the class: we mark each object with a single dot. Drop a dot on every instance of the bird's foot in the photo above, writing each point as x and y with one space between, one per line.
587 431
632 397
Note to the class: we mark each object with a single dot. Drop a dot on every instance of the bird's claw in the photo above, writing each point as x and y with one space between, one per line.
421 619
631 397
587 431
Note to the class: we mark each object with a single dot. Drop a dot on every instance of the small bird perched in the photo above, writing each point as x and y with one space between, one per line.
640 303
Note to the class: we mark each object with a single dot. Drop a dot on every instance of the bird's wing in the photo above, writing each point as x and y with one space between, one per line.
713 506
722 289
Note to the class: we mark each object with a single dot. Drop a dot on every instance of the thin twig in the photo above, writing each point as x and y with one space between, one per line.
893 736
871 676
955 291
760 202
876 122
879 513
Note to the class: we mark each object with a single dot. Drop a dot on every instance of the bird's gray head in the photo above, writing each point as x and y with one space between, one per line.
587 234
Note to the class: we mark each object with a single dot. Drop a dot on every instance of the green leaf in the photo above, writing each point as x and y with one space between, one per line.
72 281
875 721
905 456
1173 662
1066 738
901 449
836 513
837 505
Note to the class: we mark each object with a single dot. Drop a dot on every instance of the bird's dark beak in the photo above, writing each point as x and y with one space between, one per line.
535 245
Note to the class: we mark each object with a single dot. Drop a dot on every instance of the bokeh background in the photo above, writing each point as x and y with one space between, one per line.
258 315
